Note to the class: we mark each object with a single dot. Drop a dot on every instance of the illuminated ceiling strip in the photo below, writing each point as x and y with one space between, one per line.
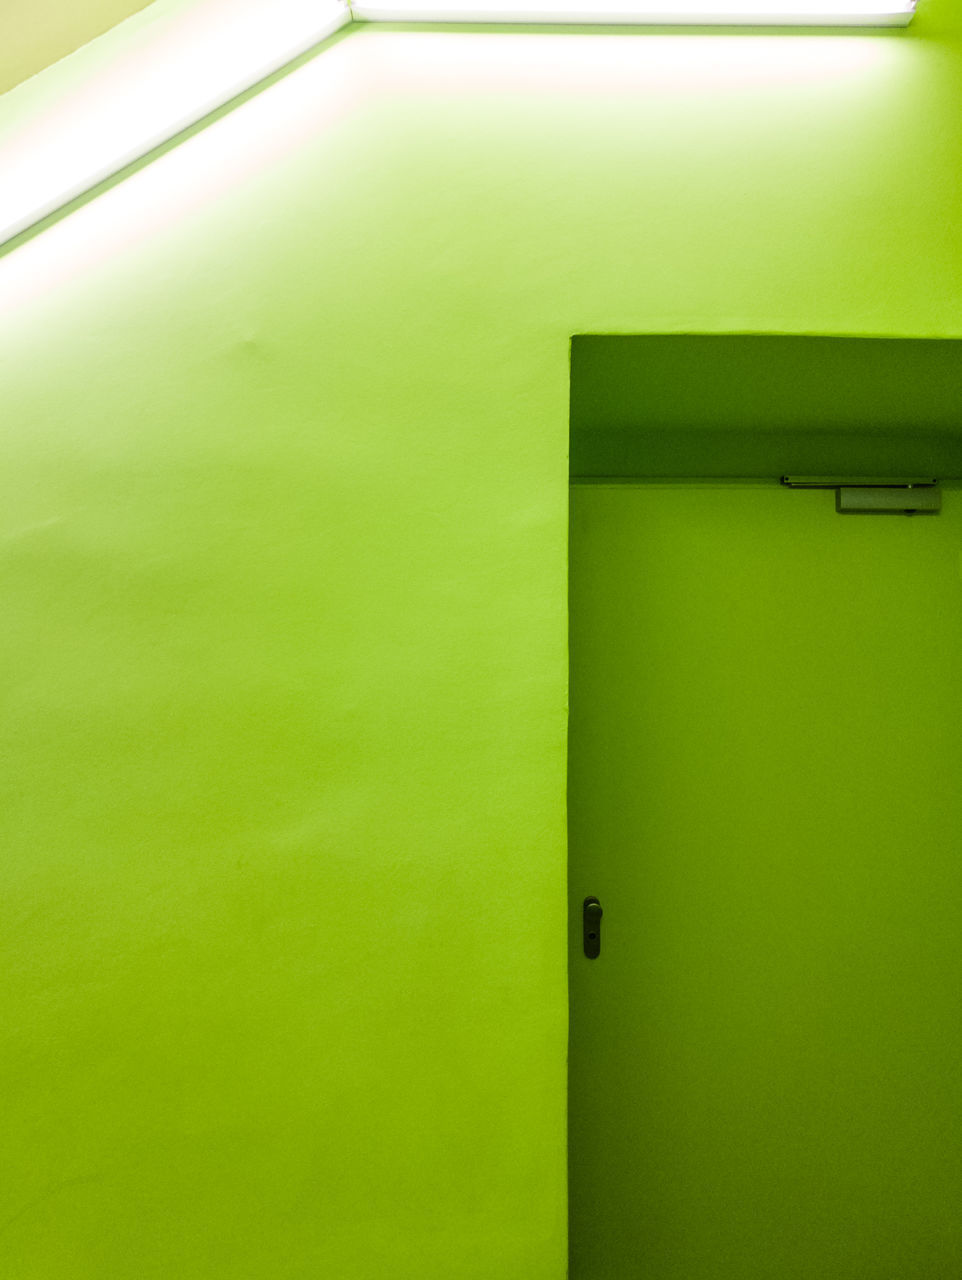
847 13
225 48
94 136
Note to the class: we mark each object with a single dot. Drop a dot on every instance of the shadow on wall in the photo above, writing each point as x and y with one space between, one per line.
763 405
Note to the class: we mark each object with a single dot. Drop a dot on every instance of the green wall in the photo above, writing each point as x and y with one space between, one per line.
764 406
285 495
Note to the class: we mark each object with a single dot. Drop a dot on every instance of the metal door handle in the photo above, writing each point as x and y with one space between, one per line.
591 918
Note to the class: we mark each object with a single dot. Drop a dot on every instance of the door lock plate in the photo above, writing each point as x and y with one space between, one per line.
591 927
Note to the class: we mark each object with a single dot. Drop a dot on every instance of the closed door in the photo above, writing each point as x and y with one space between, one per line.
766 796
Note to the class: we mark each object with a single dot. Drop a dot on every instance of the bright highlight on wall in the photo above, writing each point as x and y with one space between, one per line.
644 12
182 62
176 70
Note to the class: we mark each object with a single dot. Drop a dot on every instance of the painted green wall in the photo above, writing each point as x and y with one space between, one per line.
764 405
285 495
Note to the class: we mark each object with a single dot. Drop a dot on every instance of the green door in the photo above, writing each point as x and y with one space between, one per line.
766 797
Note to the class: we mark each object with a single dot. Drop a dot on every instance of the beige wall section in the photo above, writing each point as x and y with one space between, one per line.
35 33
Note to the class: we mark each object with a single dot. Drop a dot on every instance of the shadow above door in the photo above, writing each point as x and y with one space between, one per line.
764 405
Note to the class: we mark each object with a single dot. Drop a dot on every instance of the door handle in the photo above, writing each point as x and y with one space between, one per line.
591 921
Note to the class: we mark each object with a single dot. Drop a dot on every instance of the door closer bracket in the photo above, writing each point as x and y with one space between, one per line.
876 495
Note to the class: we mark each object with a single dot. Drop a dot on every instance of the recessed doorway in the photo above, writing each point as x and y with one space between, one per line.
765 796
